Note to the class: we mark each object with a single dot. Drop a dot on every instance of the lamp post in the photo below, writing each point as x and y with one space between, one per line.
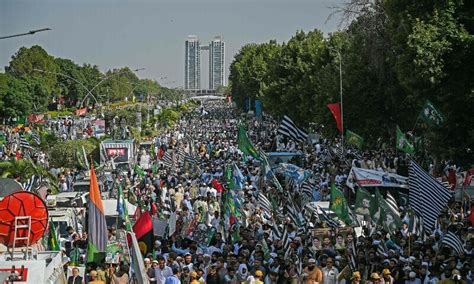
69 77
103 80
28 33
340 94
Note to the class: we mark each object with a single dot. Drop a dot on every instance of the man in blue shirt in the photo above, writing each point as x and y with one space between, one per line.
174 279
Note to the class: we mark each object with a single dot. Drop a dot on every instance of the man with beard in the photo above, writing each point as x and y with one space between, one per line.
312 274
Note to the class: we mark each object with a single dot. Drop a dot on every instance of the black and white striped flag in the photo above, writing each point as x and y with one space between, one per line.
167 160
36 138
453 241
24 143
416 224
392 204
427 195
30 184
168 205
264 204
329 221
289 129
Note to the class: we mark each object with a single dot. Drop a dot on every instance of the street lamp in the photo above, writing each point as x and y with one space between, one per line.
28 33
340 94
103 80
69 77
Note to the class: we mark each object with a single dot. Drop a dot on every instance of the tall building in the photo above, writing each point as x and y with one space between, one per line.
192 64
216 63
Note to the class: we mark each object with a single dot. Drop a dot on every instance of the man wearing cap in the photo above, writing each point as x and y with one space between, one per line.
387 276
412 279
330 272
374 279
312 274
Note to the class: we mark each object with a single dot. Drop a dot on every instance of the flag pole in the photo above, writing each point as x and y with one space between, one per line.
340 93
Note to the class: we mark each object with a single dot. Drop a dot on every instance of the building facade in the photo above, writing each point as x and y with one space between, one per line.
192 64
216 63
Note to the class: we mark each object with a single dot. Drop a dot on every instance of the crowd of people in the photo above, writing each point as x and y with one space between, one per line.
219 230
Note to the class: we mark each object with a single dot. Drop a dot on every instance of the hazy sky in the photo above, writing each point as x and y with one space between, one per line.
151 34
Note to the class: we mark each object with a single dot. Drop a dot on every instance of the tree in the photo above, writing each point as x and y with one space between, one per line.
14 96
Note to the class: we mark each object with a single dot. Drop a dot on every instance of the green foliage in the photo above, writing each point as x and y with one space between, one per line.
396 54
64 153
14 97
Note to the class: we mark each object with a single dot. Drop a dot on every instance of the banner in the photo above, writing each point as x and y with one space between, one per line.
296 173
258 108
370 178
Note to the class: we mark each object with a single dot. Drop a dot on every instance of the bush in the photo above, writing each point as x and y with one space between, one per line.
65 153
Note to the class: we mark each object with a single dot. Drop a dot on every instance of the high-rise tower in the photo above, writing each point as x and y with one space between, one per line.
216 63
192 65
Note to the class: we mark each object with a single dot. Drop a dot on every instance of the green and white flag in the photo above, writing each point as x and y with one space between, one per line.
403 144
389 220
245 145
339 205
366 207
431 115
354 139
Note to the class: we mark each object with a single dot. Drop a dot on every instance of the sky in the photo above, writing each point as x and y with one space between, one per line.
150 34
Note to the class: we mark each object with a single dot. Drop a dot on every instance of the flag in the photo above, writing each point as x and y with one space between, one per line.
289 129
427 195
238 177
354 139
24 143
143 230
366 207
415 226
403 144
36 138
390 219
245 145
138 170
97 228
258 108
453 241
431 115
392 203
30 184
53 238
329 221
335 109
120 204
339 205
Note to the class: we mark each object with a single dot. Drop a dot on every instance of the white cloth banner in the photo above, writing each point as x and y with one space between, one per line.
172 223
159 227
370 178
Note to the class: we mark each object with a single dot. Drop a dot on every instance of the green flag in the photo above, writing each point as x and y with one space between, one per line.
403 144
138 170
53 238
431 115
354 139
389 219
365 206
339 205
245 145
